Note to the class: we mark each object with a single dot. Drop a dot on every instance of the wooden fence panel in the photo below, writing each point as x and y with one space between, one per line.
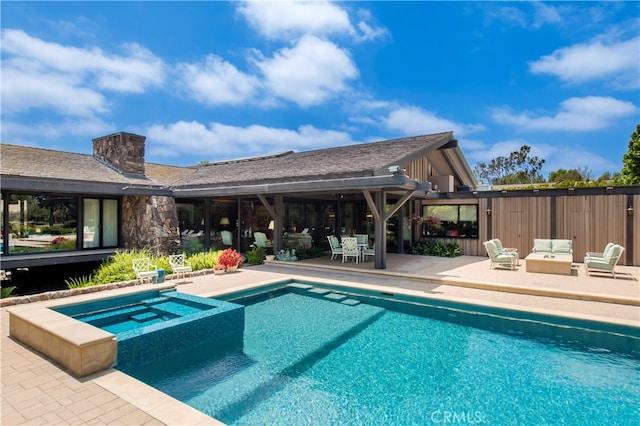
590 221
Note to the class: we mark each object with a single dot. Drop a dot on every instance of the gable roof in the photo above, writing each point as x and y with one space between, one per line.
358 160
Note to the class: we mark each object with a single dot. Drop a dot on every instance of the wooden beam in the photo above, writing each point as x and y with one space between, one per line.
406 197
371 203
268 206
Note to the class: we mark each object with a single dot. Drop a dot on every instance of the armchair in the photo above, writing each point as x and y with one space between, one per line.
502 259
145 270
606 263
261 240
334 244
179 265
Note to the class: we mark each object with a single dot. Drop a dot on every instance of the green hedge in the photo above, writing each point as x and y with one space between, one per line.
436 248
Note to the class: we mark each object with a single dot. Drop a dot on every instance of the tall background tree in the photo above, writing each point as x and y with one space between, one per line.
631 160
518 168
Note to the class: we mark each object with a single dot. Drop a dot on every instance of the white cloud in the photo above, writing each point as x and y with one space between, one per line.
618 62
292 19
287 19
15 132
416 121
218 141
41 74
544 13
132 72
371 33
216 82
309 73
540 15
24 89
576 114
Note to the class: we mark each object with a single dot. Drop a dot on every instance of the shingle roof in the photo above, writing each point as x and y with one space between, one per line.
358 160
40 163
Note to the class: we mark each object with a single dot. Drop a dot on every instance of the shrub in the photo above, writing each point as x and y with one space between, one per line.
436 248
309 252
6 291
256 255
79 282
204 260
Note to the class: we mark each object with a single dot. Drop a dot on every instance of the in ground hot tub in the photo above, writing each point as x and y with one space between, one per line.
138 327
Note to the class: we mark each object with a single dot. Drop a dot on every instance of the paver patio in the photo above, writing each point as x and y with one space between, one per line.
37 391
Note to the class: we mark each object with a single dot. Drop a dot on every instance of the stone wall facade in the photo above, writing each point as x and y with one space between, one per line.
123 151
150 222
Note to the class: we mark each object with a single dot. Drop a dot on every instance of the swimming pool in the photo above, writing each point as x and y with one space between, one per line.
314 355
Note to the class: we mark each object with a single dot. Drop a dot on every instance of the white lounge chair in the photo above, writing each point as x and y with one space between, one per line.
145 270
180 266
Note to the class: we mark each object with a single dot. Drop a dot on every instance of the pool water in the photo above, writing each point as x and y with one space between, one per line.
333 360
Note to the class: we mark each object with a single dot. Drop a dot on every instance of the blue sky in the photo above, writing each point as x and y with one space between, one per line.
207 81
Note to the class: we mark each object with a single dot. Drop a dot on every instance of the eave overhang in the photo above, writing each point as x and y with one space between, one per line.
395 182
29 184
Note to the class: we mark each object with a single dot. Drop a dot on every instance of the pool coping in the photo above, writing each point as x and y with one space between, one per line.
477 284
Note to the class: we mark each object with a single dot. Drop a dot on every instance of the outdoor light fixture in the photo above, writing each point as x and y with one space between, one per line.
224 221
488 212
630 211
272 225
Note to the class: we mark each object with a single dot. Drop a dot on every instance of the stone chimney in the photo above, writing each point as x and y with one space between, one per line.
123 151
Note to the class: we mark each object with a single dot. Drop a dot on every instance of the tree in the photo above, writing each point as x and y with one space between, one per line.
519 167
631 160
562 175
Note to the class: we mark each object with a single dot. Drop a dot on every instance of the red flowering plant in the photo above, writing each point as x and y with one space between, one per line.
59 240
229 258
415 219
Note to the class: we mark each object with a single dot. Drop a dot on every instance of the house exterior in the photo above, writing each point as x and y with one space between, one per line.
61 207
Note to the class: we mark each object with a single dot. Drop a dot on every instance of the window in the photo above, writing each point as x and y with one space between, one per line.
41 223
37 223
459 221
94 214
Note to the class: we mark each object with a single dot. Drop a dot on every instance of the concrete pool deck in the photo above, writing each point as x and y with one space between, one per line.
36 390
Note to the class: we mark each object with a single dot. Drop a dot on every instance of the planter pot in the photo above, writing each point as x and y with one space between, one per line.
218 271
232 268
270 257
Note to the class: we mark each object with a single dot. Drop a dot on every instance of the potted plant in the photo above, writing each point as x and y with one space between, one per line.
219 269
230 258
